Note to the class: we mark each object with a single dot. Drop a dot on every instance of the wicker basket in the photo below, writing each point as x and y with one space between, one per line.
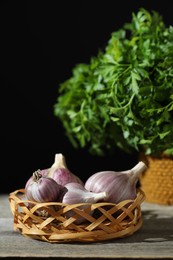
49 221
157 180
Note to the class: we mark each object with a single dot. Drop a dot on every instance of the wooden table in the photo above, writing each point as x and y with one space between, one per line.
153 241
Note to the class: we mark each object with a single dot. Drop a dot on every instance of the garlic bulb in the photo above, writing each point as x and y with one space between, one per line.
42 189
119 185
75 194
60 173
41 172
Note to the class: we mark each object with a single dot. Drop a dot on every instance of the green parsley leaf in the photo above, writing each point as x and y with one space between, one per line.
124 96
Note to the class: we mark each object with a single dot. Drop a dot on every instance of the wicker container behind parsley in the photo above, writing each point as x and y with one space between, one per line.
124 96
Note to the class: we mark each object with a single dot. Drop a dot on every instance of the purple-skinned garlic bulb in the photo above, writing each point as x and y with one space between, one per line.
60 172
40 172
42 189
118 185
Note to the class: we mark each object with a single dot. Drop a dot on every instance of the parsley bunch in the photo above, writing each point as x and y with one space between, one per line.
124 96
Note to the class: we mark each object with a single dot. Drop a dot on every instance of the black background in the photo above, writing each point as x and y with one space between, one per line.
41 41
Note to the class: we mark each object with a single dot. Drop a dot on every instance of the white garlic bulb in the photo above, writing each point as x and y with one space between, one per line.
118 185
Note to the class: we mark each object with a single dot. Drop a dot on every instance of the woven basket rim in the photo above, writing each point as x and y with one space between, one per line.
113 221
22 190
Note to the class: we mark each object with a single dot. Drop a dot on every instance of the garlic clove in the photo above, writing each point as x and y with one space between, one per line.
75 194
119 185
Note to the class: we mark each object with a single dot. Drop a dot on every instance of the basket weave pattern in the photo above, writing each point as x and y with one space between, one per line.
157 180
49 221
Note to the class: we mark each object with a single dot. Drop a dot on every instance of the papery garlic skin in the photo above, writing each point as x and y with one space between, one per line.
60 173
119 185
42 189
